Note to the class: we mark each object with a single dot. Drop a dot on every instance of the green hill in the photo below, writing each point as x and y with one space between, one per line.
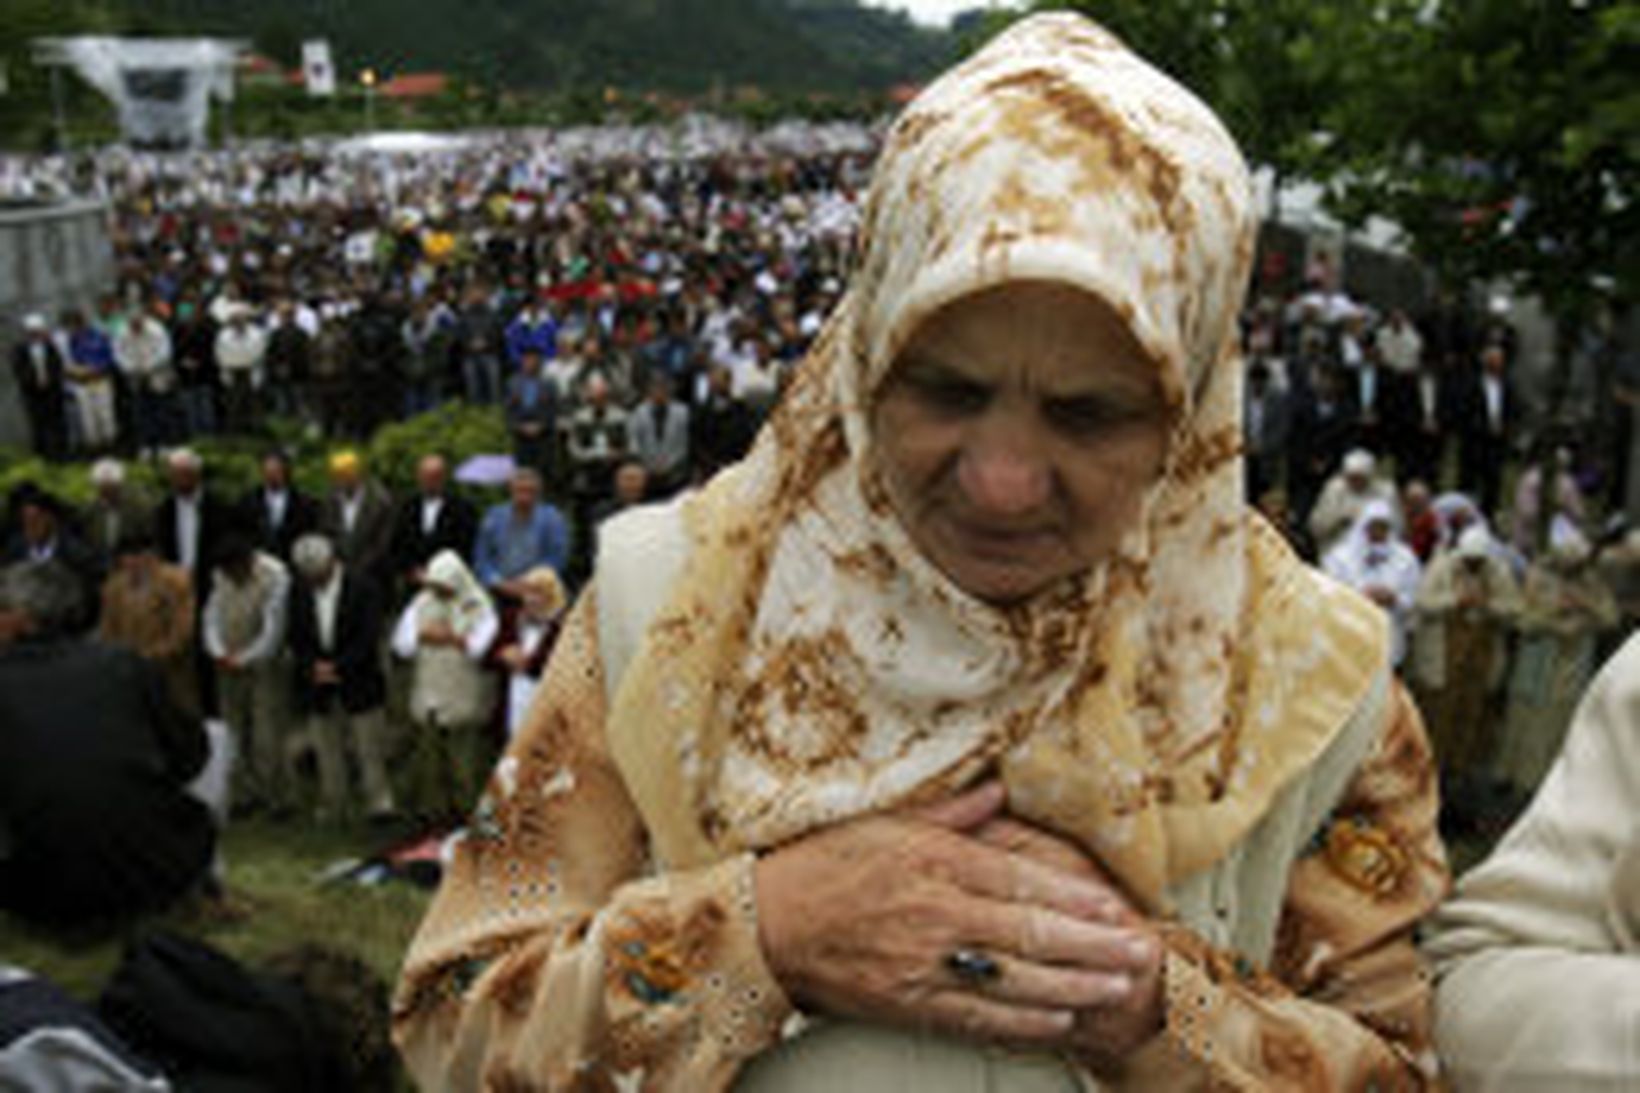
674 45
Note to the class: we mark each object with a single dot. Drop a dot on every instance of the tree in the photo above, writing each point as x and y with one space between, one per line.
1270 68
1502 136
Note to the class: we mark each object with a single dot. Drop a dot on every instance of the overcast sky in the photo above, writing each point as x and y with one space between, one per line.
933 12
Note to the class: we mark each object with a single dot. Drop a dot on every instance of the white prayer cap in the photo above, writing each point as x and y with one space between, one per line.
1359 462
1473 543
34 322
107 472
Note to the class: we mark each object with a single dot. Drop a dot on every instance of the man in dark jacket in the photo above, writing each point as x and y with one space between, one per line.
38 367
276 513
1486 409
433 520
335 629
96 820
190 521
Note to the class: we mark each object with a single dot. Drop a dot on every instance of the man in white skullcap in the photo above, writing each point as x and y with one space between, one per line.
38 367
1345 495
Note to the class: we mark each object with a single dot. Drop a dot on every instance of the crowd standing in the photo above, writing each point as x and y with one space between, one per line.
634 308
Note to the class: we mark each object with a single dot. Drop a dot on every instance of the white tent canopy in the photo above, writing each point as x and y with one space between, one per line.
161 87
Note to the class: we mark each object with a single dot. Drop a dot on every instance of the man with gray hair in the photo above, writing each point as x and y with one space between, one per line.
116 510
189 521
97 820
520 534
335 623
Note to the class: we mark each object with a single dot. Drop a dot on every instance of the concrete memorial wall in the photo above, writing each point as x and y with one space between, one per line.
52 257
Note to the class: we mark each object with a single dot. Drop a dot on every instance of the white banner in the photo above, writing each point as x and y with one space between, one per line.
161 87
317 71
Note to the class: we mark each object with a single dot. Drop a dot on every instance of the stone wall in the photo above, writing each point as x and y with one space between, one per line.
51 257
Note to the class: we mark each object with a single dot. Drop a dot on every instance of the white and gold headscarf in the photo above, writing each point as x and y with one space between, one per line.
810 665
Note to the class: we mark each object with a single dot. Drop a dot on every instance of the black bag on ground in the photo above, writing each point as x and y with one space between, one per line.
213 1025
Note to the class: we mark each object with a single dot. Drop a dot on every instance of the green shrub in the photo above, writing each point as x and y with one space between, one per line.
232 463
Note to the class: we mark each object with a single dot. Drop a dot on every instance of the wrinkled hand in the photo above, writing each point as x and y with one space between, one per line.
857 920
1103 1034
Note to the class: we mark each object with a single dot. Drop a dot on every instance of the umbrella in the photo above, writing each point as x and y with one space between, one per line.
486 470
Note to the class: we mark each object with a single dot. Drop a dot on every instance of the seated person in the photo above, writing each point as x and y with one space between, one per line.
96 819
1538 952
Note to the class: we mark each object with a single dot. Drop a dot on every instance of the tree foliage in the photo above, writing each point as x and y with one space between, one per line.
1503 136
1500 135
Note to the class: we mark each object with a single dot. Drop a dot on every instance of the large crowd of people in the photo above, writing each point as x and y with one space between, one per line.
970 705
635 310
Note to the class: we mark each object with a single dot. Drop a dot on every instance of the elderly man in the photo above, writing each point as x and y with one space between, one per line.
95 767
660 437
336 623
241 347
38 368
143 352
244 634
519 535
1345 495
358 519
433 520
597 441
115 511
189 521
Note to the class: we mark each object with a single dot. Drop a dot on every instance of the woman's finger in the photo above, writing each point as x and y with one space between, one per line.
1028 983
975 1017
1044 936
967 810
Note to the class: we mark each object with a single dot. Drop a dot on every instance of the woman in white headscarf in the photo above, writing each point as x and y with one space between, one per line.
974 707
1377 564
1467 602
445 631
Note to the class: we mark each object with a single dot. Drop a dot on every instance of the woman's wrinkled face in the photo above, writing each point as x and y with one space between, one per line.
1017 434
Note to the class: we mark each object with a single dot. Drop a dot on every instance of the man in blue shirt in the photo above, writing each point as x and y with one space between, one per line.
91 374
519 535
533 328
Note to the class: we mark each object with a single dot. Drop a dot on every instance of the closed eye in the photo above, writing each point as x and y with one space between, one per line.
1081 417
946 391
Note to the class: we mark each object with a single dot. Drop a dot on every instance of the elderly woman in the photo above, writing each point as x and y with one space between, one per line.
529 629
1565 608
1375 563
973 710
1467 602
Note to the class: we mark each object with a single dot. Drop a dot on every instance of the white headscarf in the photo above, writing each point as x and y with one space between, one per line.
467 604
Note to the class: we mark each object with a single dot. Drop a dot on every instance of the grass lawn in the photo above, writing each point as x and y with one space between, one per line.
274 870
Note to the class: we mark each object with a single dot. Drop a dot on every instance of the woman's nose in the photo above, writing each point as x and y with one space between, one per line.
1002 471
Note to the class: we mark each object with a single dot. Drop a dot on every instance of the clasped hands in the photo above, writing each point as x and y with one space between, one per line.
861 920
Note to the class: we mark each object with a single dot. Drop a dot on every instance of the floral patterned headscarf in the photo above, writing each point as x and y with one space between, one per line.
809 664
